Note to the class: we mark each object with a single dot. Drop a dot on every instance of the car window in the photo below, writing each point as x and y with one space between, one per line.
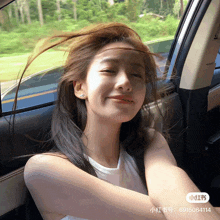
24 23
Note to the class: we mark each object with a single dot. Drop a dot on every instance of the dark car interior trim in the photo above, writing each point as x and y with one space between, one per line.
200 160
4 3
4 114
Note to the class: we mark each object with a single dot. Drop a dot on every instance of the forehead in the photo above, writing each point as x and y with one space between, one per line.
118 51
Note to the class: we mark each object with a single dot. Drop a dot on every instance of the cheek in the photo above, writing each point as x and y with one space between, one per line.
140 88
97 87
93 83
141 95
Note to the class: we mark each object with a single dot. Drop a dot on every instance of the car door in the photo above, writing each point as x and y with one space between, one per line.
191 111
195 63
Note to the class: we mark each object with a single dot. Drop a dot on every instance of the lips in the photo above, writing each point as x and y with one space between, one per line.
123 98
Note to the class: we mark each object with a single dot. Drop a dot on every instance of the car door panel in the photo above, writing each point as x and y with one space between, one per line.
194 68
13 191
30 128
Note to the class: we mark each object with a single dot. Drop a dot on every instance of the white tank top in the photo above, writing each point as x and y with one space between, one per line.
125 175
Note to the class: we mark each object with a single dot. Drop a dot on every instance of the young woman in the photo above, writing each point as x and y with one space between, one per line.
99 131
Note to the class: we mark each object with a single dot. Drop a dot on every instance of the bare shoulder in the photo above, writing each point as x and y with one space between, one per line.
41 164
156 137
54 183
34 165
158 150
44 169
46 158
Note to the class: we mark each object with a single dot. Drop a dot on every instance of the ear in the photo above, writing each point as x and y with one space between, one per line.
78 90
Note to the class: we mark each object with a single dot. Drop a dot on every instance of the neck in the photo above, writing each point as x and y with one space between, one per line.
102 141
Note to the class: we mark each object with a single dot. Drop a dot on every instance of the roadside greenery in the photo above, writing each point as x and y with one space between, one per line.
23 38
151 19
24 22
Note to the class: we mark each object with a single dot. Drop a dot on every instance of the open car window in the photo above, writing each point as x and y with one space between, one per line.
26 22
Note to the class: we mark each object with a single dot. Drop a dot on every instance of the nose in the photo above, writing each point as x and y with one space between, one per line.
123 82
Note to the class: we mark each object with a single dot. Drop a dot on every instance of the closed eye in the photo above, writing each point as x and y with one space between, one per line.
107 71
137 75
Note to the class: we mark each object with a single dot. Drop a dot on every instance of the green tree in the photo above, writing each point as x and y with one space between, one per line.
49 10
4 20
74 9
133 9
161 7
177 8
16 11
40 12
92 11
27 11
58 9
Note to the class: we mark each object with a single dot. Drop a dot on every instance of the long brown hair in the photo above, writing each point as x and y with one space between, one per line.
69 115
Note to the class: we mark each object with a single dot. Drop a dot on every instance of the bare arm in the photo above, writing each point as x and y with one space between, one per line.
168 185
217 209
58 186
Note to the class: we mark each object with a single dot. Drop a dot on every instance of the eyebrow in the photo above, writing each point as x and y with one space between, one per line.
106 60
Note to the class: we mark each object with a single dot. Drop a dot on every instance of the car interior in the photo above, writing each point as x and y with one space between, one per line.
192 111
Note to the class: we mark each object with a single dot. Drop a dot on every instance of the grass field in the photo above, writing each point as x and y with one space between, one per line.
11 66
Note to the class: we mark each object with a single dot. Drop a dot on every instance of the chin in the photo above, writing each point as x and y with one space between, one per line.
123 118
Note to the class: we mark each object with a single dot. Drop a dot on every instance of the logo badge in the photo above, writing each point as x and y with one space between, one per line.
197 197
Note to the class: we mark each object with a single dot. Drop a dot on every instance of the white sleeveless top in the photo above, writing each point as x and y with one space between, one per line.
125 175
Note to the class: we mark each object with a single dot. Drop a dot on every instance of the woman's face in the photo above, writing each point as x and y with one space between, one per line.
115 84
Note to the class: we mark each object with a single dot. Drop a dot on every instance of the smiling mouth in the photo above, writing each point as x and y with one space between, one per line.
126 100
123 100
